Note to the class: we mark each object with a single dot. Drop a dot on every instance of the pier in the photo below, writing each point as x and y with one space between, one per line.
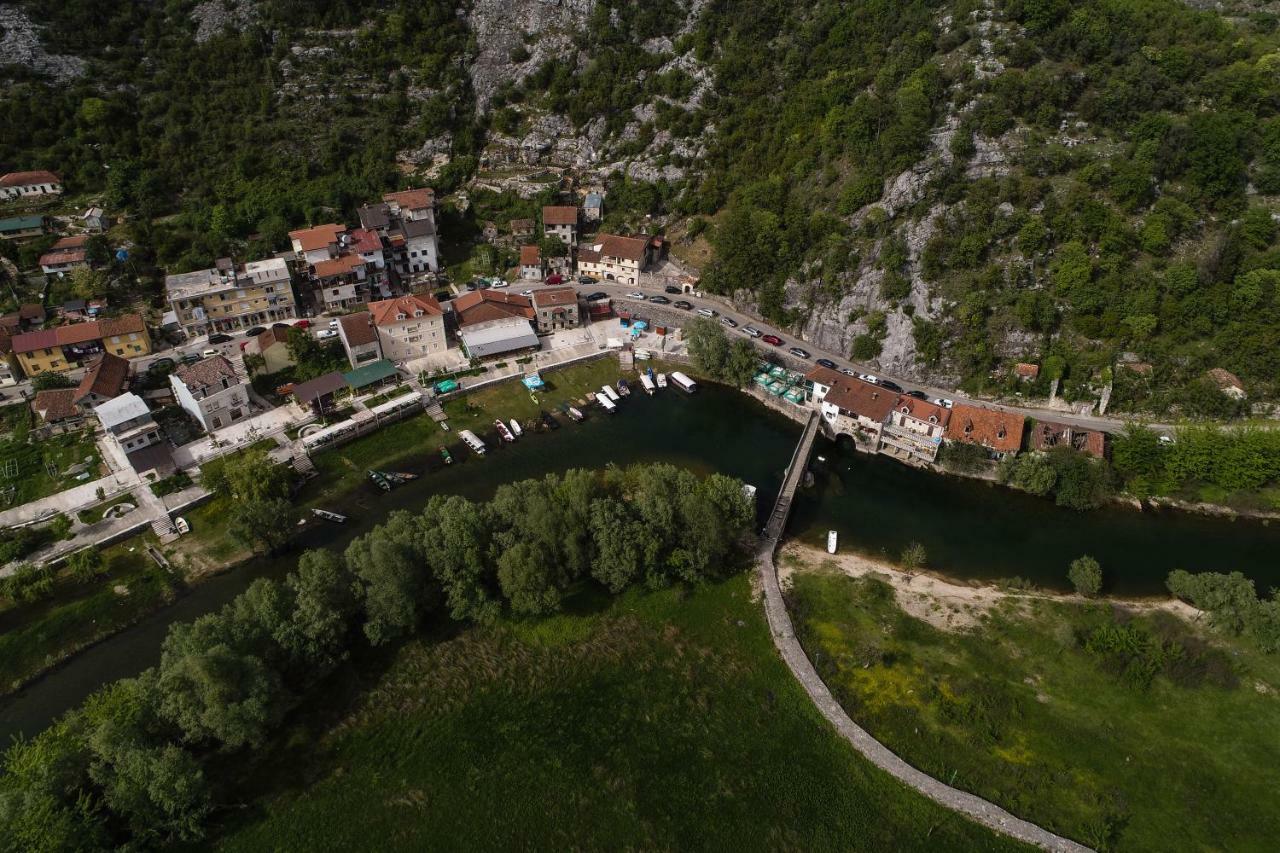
791 481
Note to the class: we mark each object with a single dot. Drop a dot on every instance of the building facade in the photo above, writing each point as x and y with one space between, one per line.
556 308
359 338
228 298
915 428
128 421
211 392
613 258
29 184
561 222
408 327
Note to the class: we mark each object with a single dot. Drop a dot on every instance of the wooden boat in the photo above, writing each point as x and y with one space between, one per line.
576 415
401 476
623 388
662 380
503 432
380 480
444 454
831 541
606 403
181 525
329 516
516 429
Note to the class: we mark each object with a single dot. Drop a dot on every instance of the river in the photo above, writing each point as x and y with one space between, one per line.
970 529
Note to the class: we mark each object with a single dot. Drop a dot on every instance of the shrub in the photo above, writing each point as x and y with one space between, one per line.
1086 576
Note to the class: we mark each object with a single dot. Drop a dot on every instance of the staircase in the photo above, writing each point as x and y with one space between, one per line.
164 529
302 464
435 410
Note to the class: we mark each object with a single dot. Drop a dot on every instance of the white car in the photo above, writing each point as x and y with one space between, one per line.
635 294
325 334
848 371
706 312
526 293
869 377
209 352
751 331
333 324
943 402
500 284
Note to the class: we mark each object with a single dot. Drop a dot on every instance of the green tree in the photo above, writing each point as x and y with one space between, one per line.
455 545
1086 576
261 523
708 346
249 475
86 564
741 363
323 608
49 380
530 579
392 580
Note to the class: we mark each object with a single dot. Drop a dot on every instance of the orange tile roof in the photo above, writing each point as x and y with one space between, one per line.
861 398
337 266
480 306
318 237
922 410
627 248
108 376
55 404
1000 431
412 199
530 256
79 333
357 329
555 296
385 313
122 325
559 215
22 179
1026 371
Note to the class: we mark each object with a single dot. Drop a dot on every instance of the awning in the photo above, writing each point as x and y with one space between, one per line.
373 372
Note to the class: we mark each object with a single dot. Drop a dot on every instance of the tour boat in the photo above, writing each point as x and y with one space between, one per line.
444 454
329 516
623 388
831 541
181 524
605 403
684 383
662 380
576 415
472 440
516 429
503 432
610 393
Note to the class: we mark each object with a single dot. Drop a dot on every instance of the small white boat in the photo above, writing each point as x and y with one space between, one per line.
610 393
516 429
662 380
647 383
576 415
329 516
831 541
503 432
605 403
181 524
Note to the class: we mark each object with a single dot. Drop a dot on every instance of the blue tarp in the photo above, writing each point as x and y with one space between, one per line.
533 381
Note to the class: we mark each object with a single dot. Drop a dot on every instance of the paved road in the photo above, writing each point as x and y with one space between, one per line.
724 308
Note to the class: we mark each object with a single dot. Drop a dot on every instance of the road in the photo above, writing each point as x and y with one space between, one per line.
724 308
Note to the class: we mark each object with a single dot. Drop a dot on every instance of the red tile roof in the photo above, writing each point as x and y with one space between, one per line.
317 237
530 256
1026 371
412 199
1000 431
74 242
559 215
337 266
627 248
555 296
207 372
32 341
1046 435
387 312
22 179
358 329
122 325
79 333
55 257
364 240
108 377
481 306
56 404
861 398
922 410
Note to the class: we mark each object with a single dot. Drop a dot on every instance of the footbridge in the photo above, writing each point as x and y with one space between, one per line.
973 807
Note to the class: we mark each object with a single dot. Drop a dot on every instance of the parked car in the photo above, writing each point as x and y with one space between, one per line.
599 294
206 354
501 284
190 358
635 294
728 321
751 331
221 339
252 333
848 371
325 334
772 340
707 312
890 385
671 288
827 363
333 324
869 377
303 324
683 305
586 279
659 300
919 395
798 353
526 293
944 402
552 279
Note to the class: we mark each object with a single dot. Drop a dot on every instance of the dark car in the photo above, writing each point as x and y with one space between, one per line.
773 340
222 339
471 286
586 279
827 363
659 300
919 395
252 333
683 306
671 288
890 385
599 294
161 364
798 353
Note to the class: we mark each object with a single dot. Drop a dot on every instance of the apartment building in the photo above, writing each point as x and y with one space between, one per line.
613 258
227 297
409 327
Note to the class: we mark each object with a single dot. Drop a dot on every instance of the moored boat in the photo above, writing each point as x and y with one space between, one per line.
609 393
832 538
623 388
380 480
576 415
180 524
472 440
684 383
444 454
662 380
329 516
503 432
647 384
548 421
401 476
605 403
516 429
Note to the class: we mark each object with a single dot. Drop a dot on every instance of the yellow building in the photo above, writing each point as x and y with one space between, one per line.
66 347
40 352
125 336
229 298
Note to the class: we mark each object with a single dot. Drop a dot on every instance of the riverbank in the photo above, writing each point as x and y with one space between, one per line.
1009 695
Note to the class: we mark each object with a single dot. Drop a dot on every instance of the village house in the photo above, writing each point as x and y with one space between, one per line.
613 258
413 205
340 282
56 409
29 184
522 229
1046 435
999 432
318 243
1026 372
211 391
561 222
494 323
850 406
128 421
530 263
125 335
66 347
273 348
405 221
32 315
106 378
64 256
556 308
228 298
409 327
359 338
21 227
95 220
593 207
915 428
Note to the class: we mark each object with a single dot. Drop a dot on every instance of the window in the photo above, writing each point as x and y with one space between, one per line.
217 422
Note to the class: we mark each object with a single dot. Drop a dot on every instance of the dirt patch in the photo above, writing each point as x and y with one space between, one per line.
943 603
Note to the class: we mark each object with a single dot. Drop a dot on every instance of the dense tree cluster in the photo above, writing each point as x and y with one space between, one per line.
731 362
1232 604
1230 461
140 764
1075 480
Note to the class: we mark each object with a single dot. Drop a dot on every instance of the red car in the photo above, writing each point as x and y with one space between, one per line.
303 324
555 279
772 339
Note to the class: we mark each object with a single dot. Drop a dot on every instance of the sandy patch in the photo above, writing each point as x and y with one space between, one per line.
943 603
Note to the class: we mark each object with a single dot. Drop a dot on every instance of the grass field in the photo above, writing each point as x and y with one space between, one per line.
1018 710
25 468
34 637
657 721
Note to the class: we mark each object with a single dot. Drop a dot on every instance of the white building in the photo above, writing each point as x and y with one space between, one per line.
28 184
408 327
561 222
613 258
530 263
317 244
211 391
128 421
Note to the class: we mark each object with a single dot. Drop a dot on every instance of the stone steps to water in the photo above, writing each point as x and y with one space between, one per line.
436 411
164 529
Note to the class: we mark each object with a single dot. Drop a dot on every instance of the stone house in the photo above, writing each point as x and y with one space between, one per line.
915 428
273 346
999 432
593 207
359 338
211 391
29 184
1046 435
530 263
409 327
613 258
850 406
561 222
556 308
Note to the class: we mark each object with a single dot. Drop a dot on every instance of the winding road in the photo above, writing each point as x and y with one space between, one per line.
784 638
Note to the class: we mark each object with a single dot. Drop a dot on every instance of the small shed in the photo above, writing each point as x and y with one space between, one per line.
370 376
318 393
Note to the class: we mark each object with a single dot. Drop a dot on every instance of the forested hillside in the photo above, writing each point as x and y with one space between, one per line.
944 188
